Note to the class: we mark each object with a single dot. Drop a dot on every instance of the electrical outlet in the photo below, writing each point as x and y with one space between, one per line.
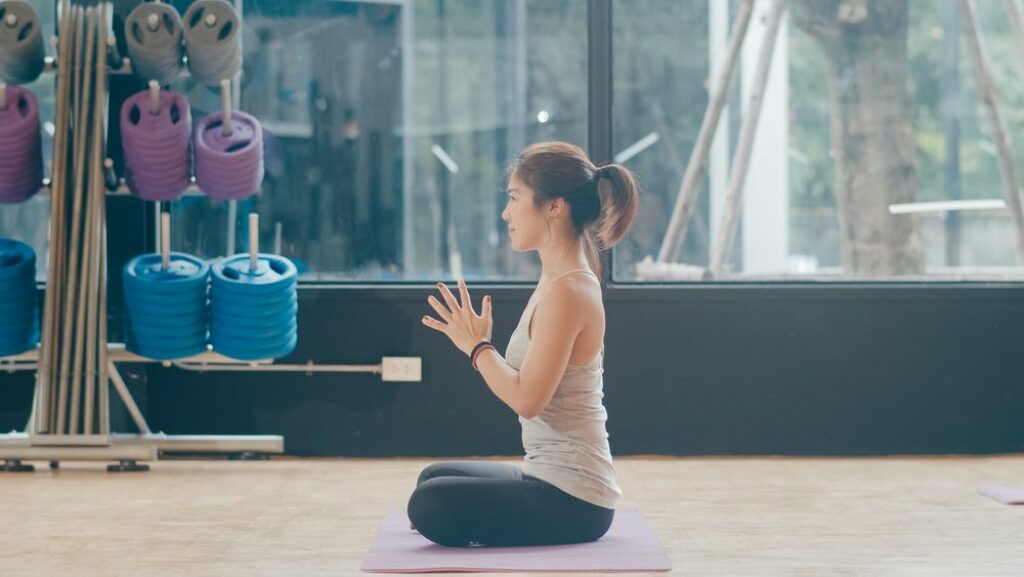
406 369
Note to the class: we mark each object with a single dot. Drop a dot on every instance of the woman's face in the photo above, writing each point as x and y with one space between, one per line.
527 227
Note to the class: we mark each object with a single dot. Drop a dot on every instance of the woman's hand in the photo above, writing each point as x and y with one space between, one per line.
458 320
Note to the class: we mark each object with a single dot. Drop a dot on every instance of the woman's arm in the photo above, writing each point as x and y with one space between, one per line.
528 390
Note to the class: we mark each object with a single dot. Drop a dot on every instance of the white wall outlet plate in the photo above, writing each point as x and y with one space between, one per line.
405 369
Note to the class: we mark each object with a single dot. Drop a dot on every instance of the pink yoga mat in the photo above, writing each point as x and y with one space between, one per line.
1005 495
630 545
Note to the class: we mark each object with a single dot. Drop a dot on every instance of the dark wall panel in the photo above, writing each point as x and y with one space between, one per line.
709 370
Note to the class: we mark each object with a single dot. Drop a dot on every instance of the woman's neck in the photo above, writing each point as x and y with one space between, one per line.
558 258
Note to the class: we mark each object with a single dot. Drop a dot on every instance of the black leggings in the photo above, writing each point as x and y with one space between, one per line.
469 503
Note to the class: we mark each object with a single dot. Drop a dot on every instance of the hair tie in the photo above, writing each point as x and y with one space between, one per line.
604 172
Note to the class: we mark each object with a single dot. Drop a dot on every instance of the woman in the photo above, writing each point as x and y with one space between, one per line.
567 209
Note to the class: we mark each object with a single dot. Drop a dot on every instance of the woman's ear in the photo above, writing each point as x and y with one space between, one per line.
556 206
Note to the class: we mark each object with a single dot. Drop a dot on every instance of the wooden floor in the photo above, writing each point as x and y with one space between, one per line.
737 516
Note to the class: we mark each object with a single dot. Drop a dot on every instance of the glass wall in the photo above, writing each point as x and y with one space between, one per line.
874 157
388 127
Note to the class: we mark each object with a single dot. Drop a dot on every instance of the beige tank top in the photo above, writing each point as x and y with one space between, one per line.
567 443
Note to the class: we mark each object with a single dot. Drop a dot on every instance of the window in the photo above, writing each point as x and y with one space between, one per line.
388 126
856 143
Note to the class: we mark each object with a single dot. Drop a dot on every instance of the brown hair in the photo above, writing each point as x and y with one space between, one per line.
602 200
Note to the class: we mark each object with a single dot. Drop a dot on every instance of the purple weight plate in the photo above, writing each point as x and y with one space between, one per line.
168 174
143 182
11 198
210 137
160 122
14 183
220 184
247 185
247 159
17 173
22 112
156 194
13 140
23 162
172 167
18 147
150 143
149 191
221 191
23 185
216 171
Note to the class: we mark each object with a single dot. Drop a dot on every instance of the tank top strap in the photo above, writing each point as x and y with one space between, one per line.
568 272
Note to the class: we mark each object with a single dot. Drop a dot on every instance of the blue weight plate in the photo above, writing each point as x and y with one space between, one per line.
253 340
229 292
16 339
15 280
164 354
191 320
166 341
16 258
254 303
20 340
197 294
13 309
249 354
254 317
271 273
191 323
250 334
194 286
184 273
234 287
184 307
17 291
9 330
241 325
11 324
9 349
167 306
151 335
237 308
233 290
157 330
255 322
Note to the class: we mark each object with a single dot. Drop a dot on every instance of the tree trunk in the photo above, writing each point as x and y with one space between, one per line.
865 44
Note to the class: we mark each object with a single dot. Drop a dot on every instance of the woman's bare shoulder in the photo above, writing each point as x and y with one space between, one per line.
580 292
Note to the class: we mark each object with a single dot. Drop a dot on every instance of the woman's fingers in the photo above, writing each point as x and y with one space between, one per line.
485 309
464 295
439 308
435 324
448 297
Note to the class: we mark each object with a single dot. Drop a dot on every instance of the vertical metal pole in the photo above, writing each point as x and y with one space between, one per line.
951 123
599 95
408 43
